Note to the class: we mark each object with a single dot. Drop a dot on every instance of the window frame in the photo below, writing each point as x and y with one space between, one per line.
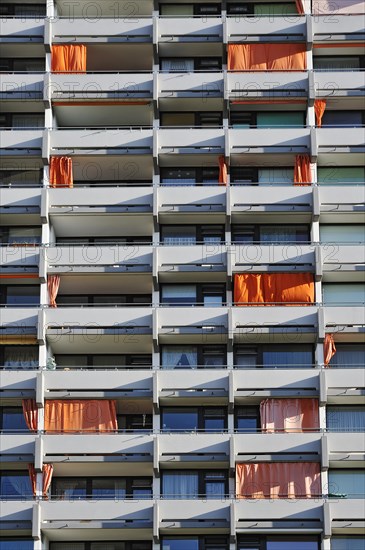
260 541
251 411
201 413
202 290
255 230
12 409
260 349
202 481
129 483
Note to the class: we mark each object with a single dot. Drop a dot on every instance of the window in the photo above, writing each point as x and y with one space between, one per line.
179 235
335 175
19 356
343 294
14 544
141 423
100 545
195 543
15 485
341 233
20 235
247 419
268 119
347 542
345 419
247 542
101 488
183 65
187 295
188 419
103 360
20 178
189 176
191 120
270 233
349 356
20 295
244 175
346 483
209 356
104 240
12 420
274 356
262 9
337 63
103 299
23 10
346 119
194 484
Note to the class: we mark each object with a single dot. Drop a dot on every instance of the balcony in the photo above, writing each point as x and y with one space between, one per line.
193 516
192 325
17 517
21 143
191 204
266 447
187 450
292 257
345 318
266 85
344 387
92 330
332 84
204 388
22 30
346 450
264 204
191 263
299 323
344 517
22 87
180 146
18 259
252 385
189 86
251 142
332 142
343 263
341 204
18 205
327 29
266 29
111 30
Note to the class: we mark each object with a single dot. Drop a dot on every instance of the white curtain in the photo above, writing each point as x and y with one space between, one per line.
21 357
346 419
179 357
180 485
177 65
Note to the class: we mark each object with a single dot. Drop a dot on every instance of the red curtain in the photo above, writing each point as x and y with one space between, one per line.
319 109
47 472
68 58
88 415
266 288
267 57
289 415
53 284
30 412
33 478
60 172
329 349
222 171
300 7
278 480
302 170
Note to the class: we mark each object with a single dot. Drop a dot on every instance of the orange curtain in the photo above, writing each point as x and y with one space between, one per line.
289 415
329 349
30 412
68 58
222 171
53 284
278 480
60 172
267 57
319 109
266 288
300 7
33 478
47 472
302 170
88 415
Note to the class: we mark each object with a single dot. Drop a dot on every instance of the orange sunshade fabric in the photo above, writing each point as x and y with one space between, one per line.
53 284
302 170
278 480
68 58
60 172
319 109
30 412
47 472
329 349
300 7
267 288
289 415
267 57
222 179
33 478
88 415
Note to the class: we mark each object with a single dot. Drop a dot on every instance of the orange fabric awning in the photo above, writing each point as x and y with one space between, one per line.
302 170
278 480
87 415
319 109
329 349
30 412
68 58
289 415
267 57
60 172
299 6
222 179
268 288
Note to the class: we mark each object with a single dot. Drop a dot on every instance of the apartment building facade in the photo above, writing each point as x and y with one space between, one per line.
182 286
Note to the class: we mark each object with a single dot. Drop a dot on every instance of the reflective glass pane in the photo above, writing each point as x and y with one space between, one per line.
17 544
180 420
180 544
13 420
347 542
15 486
